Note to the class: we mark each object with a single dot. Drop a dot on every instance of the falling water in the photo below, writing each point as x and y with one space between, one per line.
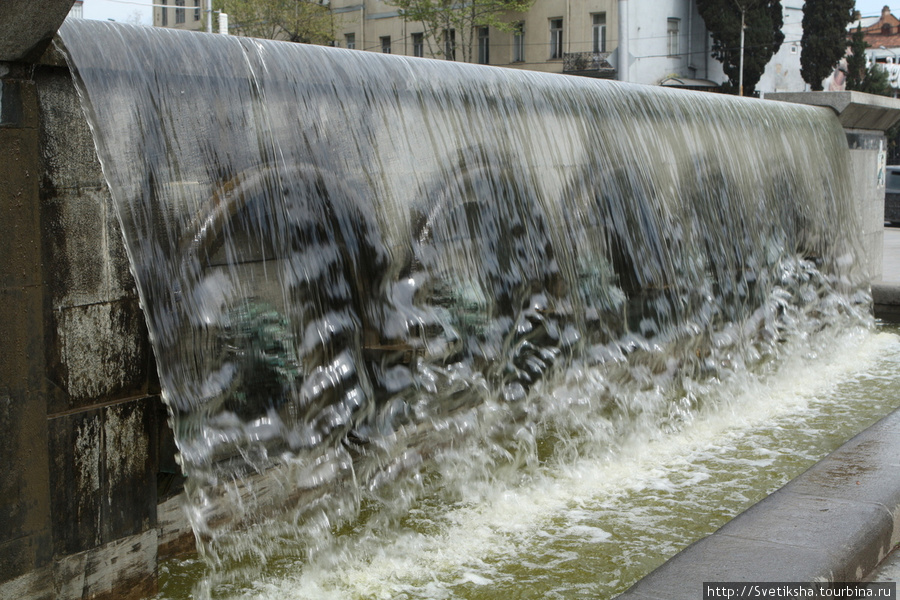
371 280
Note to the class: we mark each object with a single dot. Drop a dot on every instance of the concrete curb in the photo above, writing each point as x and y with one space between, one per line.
886 297
886 293
835 522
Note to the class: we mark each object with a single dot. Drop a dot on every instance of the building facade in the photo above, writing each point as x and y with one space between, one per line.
556 36
667 40
181 14
782 74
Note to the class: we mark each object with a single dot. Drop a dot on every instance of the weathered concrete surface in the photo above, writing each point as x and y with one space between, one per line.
886 292
856 110
24 477
90 574
81 422
27 27
835 522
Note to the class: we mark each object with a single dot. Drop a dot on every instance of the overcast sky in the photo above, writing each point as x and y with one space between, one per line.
140 10
127 11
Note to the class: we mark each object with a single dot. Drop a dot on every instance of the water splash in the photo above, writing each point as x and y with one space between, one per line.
360 272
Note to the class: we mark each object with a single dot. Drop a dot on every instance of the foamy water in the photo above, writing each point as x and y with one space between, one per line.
590 526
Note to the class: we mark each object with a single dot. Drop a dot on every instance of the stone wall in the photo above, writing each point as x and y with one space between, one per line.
83 434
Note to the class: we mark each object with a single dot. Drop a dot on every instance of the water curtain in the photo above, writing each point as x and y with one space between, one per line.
353 264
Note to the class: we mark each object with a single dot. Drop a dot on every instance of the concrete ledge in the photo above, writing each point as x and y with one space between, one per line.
855 110
835 522
27 27
886 297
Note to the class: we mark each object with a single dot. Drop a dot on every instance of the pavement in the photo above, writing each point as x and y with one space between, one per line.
837 522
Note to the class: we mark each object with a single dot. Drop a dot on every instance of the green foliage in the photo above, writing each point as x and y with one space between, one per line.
876 81
762 37
304 21
872 79
824 38
440 16
856 61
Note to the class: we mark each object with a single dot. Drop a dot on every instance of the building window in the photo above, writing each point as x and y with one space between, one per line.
386 44
196 10
165 13
418 43
179 12
518 54
450 44
672 36
484 46
885 29
556 38
350 40
599 32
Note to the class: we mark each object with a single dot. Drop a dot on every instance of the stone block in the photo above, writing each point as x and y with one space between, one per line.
129 498
19 214
103 474
18 103
22 332
76 249
24 555
121 570
67 147
24 485
97 353
855 110
76 480
27 27
84 250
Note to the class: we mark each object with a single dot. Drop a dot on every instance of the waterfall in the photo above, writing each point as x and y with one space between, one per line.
356 268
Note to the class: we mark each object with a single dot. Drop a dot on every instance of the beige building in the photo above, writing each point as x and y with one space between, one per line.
667 42
554 36
181 14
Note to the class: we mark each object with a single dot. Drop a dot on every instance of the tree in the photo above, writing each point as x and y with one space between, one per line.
824 38
856 61
871 79
305 21
451 25
762 27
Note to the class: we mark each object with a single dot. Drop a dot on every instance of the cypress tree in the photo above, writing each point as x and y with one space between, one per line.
763 20
824 38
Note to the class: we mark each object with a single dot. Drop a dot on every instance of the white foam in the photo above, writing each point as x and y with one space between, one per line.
553 515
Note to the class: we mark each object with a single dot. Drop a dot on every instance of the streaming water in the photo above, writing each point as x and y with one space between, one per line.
591 526
378 287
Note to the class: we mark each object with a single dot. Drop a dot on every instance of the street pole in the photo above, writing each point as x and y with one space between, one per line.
209 12
623 40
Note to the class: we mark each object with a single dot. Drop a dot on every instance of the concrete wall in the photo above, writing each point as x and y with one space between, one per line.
865 119
83 433
868 150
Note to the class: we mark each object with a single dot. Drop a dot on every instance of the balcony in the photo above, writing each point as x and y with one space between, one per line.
588 64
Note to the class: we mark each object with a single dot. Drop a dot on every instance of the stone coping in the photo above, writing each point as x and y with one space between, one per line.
855 110
835 522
